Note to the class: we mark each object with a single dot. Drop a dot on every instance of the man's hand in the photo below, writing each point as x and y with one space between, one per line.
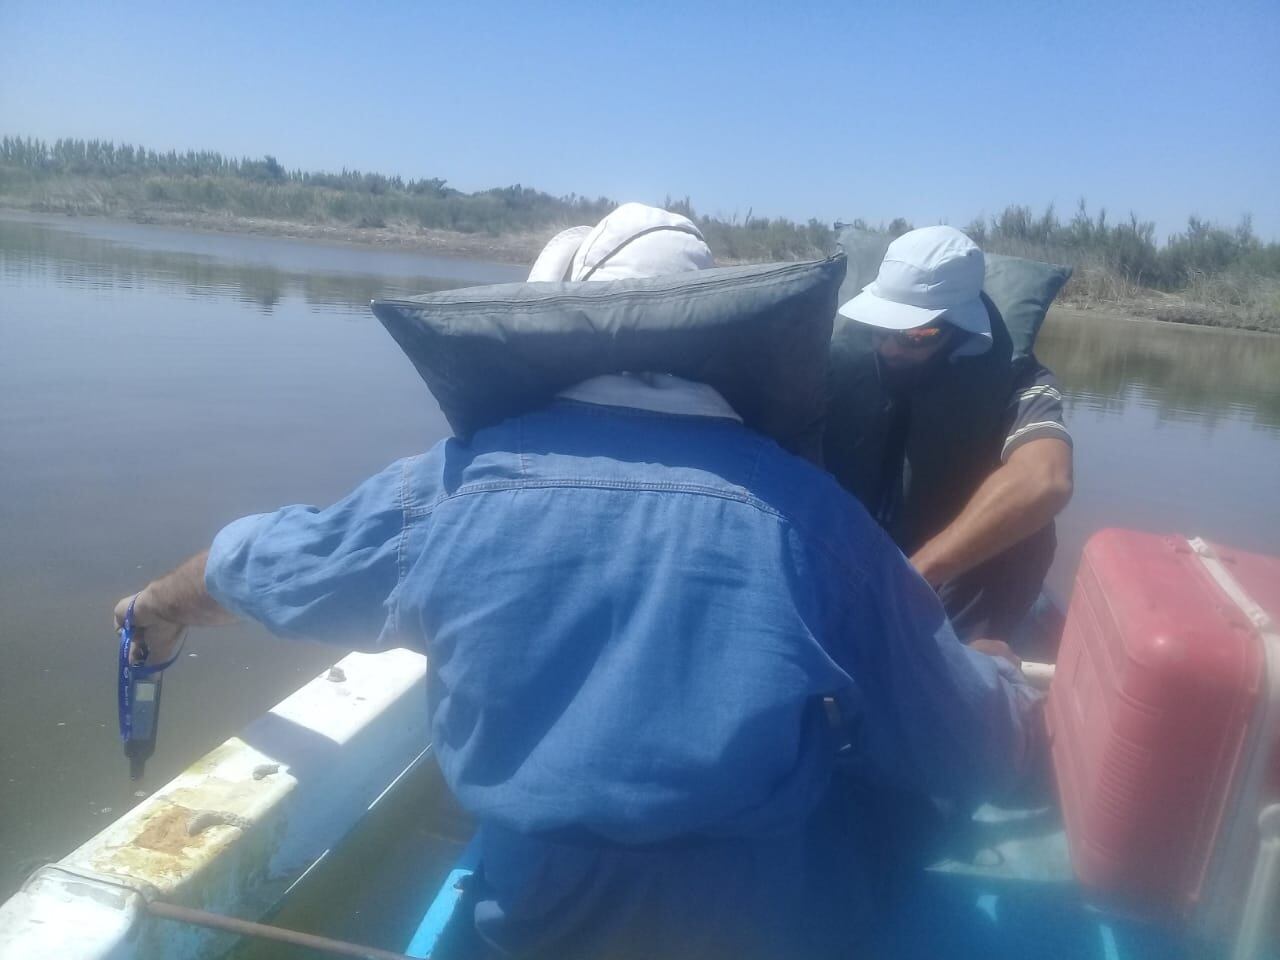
151 632
167 606
997 648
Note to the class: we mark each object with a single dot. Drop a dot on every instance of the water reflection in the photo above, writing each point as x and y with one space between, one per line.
99 256
1176 429
1187 374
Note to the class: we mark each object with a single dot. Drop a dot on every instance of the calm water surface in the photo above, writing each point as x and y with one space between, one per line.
1176 428
155 384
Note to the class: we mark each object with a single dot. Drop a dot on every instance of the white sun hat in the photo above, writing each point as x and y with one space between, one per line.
926 274
633 241
557 256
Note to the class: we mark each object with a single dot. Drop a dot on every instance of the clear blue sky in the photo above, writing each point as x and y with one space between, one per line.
831 109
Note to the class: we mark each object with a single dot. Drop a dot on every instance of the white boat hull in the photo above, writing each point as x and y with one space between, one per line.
235 830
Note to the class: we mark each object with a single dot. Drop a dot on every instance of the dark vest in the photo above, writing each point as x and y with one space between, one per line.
915 460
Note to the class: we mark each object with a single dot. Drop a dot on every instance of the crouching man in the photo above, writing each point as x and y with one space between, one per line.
953 440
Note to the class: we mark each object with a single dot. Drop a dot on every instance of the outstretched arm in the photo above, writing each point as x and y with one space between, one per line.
299 571
1020 497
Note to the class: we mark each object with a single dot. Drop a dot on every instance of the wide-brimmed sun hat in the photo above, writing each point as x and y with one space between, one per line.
927 274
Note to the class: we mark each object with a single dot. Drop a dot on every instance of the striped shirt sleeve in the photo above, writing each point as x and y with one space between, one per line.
1035 410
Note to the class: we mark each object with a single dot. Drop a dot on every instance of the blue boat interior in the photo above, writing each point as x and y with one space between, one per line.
1011 896
1004 892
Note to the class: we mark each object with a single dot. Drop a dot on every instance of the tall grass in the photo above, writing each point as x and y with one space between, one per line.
1204 273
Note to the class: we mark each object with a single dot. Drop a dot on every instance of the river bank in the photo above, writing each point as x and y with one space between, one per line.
506 248
523 248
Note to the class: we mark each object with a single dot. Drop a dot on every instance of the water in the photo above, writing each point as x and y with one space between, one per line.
1176 429
155 384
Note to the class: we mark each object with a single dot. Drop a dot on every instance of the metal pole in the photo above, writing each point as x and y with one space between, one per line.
247 928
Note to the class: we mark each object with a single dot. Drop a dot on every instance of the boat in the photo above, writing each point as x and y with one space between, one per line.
1014 898
302 817
237 832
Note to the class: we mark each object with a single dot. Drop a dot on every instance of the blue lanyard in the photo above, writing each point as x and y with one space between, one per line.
129 672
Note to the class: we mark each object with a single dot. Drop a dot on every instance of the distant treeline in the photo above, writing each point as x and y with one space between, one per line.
129 177
1218 274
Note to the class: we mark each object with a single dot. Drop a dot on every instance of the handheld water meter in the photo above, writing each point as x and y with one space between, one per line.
141 742
138 695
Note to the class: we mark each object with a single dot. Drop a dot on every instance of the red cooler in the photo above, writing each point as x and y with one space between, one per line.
1164 713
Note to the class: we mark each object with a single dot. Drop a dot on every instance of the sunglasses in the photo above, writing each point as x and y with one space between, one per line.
916 339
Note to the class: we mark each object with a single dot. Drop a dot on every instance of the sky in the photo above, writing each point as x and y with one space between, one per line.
935 112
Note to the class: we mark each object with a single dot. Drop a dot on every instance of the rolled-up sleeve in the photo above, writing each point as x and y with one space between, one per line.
1035 410
326 574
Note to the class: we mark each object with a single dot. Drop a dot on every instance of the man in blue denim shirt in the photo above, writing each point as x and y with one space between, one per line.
633 607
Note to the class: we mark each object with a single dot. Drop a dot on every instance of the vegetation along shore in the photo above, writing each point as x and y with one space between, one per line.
1204 274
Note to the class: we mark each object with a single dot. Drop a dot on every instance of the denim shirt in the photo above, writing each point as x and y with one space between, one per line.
631 618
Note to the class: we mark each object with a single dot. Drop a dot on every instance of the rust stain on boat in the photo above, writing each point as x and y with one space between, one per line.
199 819
167 831
166 853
